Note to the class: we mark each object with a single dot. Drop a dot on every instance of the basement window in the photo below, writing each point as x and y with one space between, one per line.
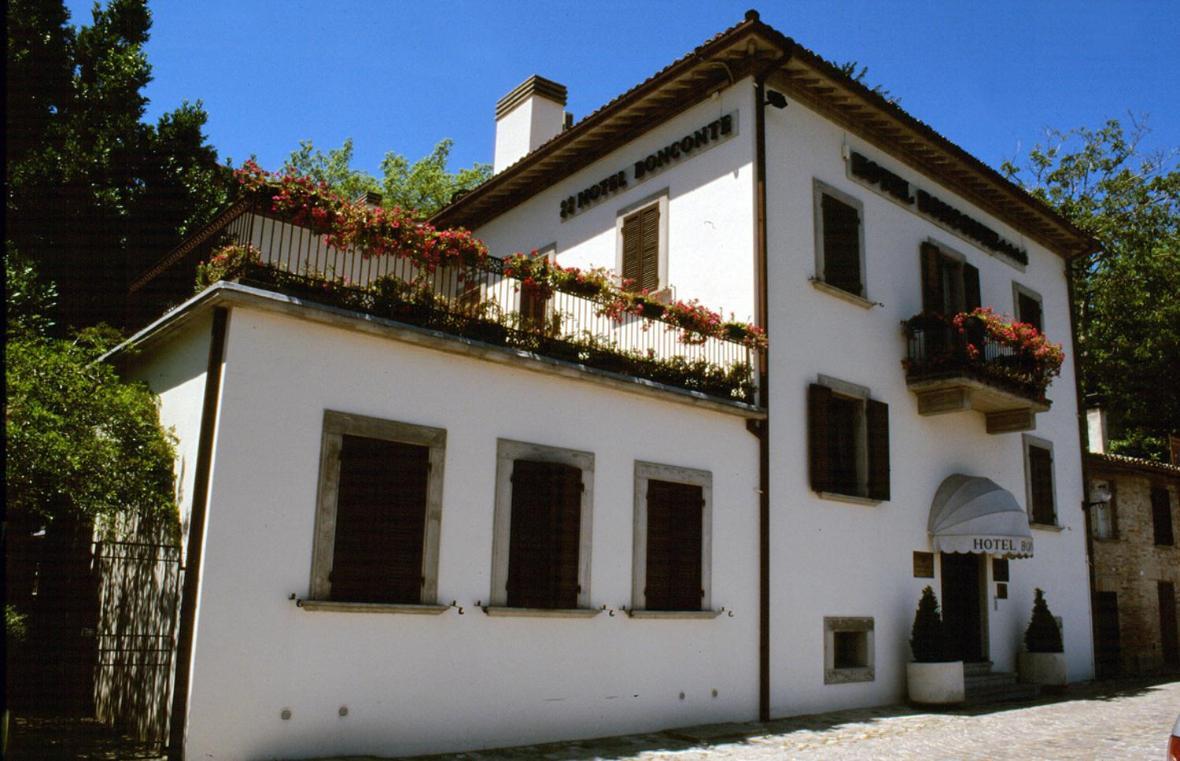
848 650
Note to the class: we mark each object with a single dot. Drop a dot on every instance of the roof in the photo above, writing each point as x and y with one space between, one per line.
1134 463
754 48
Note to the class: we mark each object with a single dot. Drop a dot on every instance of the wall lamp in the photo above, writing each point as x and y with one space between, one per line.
776 99
1099 495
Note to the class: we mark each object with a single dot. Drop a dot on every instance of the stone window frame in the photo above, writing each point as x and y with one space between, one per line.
1027 441
508 451
336 425
644 472
858 624
819 190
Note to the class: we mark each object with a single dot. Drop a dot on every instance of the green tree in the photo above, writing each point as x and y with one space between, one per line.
1127 293
425 186
93 193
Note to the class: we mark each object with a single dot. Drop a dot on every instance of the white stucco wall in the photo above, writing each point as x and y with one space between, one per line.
710 209
417 684
831 558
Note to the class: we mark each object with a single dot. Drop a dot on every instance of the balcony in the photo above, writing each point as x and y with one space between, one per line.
515 303
978 361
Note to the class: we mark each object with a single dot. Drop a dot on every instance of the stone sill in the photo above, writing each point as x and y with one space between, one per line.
675 614
334 606
499 610
851 499
840 293
1046 526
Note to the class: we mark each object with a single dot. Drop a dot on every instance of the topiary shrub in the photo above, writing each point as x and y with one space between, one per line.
928 637
1042 634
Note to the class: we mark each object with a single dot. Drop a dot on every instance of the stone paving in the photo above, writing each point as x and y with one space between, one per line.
1107 721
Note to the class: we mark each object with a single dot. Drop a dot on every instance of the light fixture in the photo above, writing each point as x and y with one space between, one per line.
776 99
1099 495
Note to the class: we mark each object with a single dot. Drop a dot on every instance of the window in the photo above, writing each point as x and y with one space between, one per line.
1038 468
536 307
377 521
1161 516
848 650
949 284
849 441
541 546
673 520
1103 513
641 245
839 236
1028 306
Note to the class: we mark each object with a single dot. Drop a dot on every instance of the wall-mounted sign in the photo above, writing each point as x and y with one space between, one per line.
897 188
923 565
616 182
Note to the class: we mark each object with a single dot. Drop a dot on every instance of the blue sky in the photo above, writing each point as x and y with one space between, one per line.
402 75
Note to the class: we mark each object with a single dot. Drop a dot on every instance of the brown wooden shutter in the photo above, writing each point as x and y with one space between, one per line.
933 299
1161 516
1040 463
1169 638
641 248
971 297
380 521
841 229
674 531
1029 310
544 535
877 414
819 398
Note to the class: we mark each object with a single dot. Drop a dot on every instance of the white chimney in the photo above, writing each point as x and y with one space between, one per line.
1096 429
530 115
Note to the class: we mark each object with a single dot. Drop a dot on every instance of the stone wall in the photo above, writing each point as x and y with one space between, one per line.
1130 564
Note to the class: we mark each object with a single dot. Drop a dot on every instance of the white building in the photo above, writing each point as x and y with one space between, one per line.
750 175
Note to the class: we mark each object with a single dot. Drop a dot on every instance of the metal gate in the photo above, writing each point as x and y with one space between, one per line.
139 601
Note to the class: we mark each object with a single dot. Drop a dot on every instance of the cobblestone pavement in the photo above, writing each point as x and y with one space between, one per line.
1107 721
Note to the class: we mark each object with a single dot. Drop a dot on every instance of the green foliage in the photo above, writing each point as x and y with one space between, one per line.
30 300
424 186
1126 297
94 194
858 73
928 640
15 625
1042 635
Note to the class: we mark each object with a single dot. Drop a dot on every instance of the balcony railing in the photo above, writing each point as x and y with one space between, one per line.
964 362
475 300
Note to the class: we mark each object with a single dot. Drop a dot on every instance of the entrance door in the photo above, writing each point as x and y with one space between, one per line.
1107 649
1169 641
962 604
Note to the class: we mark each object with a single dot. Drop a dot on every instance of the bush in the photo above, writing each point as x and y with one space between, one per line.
1042 635
928 637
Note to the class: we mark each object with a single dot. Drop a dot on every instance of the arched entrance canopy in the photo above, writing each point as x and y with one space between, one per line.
973 514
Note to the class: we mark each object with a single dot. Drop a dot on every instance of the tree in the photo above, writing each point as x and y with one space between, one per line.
93 193
425 186
1127 303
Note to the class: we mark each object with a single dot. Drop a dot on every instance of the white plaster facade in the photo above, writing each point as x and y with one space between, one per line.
386 684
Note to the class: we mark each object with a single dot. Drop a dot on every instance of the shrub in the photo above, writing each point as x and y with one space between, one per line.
1042 634
928 637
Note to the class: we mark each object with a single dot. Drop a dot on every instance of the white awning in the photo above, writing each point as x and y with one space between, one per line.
973 514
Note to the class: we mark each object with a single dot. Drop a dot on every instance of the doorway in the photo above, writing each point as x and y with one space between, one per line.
963 605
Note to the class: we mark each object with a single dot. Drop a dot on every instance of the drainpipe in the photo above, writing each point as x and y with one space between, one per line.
178 719
762 428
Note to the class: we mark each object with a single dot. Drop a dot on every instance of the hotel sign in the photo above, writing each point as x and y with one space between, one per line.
897 188
618 181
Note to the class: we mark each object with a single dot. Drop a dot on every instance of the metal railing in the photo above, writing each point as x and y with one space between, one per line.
937 349
477 301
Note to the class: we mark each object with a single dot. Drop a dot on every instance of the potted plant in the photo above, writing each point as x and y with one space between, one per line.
1043 661
933 677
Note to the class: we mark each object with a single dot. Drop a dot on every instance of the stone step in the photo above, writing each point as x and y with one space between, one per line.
994 679
977 667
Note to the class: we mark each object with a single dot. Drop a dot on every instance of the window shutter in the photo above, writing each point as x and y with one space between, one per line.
641 248
544 535
971 298
877 414
841 229
818 400
1029 310
674 534
380 521
1040 462
932 295
1161 516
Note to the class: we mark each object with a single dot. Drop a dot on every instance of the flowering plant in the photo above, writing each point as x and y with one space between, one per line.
226 263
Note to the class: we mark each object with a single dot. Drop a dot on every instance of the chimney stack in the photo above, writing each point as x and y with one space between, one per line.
1096 429
530 115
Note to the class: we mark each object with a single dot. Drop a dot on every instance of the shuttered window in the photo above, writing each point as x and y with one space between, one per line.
1040 477
949 286
848 444
544 535
380 521
1161 516
840 230
641 249
1028 309
674 541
